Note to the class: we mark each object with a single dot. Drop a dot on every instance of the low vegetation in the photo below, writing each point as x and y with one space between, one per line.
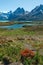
13 41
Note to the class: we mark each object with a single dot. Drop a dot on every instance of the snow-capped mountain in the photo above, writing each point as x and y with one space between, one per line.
3 16
37 13
21 14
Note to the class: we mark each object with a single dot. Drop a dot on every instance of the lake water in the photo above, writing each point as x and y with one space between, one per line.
4 21
13 26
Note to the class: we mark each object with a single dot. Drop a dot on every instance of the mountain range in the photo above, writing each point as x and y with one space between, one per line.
20 14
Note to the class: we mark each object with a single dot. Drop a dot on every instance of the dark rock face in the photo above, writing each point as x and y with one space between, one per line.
37 13
19 11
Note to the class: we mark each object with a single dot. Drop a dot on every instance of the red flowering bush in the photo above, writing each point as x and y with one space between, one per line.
27 53
27 56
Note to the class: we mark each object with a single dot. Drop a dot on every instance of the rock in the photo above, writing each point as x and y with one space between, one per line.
16 63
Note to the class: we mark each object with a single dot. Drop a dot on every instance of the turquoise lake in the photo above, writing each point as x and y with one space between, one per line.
15 26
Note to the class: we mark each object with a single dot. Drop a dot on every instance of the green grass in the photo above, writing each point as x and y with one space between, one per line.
15 32
12 49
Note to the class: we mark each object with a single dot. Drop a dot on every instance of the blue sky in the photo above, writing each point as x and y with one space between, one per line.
7 5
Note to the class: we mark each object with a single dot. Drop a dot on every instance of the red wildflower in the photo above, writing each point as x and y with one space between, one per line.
27 53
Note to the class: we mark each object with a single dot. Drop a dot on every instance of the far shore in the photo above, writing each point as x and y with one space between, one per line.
12 23
20 22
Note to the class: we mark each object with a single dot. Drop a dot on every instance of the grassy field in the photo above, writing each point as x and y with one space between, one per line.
14 40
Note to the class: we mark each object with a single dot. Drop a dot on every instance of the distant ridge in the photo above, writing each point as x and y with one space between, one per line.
20 14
